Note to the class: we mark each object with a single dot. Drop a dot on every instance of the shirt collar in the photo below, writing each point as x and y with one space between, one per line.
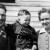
42 30
3 28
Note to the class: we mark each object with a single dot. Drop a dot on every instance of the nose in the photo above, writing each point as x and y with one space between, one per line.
45 21
0 16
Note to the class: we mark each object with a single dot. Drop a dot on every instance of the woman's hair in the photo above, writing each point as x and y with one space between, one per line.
43 10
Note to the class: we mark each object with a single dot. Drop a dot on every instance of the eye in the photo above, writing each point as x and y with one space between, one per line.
42 19
46 18
27 20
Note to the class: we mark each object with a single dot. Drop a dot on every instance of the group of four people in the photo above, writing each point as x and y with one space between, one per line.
21 35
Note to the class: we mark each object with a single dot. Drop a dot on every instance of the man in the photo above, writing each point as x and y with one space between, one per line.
44 33
7 35
26 34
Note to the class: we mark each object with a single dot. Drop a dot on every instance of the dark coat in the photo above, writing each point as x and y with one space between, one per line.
8 43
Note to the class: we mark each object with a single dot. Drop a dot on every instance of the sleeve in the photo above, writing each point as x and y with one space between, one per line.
34 37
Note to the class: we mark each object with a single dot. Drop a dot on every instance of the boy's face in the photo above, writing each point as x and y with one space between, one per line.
45 20
24 19
2 17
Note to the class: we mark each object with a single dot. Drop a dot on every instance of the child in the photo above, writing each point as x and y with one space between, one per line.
28 39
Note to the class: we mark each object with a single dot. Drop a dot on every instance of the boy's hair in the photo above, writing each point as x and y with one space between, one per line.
24 11
3 7
43 11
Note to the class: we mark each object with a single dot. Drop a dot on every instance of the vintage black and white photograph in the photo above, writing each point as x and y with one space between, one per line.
24 24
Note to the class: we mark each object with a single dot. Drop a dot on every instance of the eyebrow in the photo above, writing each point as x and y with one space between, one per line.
45 19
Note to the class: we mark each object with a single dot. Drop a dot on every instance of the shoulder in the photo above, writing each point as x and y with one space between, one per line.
33 29
42 31
9 27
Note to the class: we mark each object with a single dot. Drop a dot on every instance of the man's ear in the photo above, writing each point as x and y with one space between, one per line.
18 20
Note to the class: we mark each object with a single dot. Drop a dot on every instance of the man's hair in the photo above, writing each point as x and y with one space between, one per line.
3 7
23 11
43 10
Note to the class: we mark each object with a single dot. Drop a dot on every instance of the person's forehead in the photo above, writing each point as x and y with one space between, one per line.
45 15
21 13
25 18
2 11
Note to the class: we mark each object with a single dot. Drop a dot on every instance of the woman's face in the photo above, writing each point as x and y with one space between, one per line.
45 20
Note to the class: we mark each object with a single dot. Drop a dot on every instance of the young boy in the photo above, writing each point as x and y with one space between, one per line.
28 39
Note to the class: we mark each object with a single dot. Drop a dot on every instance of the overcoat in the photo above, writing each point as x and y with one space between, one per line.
7 38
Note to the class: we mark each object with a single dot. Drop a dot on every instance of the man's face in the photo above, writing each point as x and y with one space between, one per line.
2 17
45 20
24 20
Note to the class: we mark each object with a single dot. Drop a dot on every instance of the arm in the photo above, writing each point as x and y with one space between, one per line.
34 39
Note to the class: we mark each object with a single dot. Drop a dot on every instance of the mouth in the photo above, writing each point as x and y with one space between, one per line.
45 24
